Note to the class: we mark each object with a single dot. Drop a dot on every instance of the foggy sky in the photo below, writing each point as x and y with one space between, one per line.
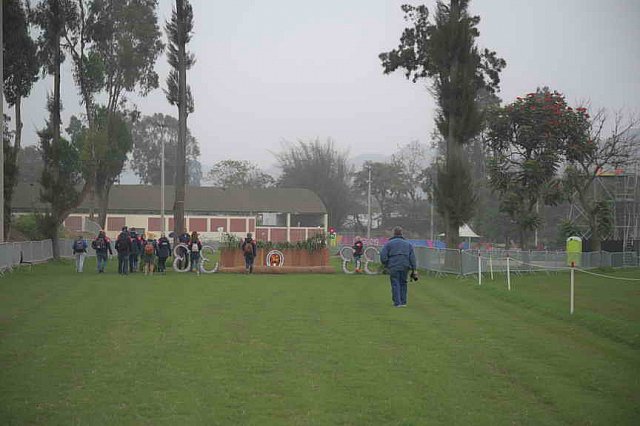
269 71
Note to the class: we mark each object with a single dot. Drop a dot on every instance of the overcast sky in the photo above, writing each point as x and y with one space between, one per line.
269 71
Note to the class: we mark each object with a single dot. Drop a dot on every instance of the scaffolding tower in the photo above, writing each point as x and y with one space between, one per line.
621 188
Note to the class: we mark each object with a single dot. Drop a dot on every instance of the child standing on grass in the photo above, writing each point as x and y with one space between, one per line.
195 247
149 257
358 251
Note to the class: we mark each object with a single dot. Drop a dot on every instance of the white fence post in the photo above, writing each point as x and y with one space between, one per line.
572 285
491 265
508 273
479 268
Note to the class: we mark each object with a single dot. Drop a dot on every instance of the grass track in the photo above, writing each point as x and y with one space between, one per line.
235 349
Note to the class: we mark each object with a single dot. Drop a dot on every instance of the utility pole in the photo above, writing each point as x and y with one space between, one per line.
164 226
431 208
2 129
369 206
535 242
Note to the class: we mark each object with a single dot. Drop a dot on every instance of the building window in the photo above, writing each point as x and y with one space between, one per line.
116 223
154 224
73 223
198 225
238 225
272 219
218 225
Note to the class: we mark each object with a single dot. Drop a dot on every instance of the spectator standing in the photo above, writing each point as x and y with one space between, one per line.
249 250
136 250
163 249
184 238
123 247
149 257
195 246
142 238
398 257
358 251
102 246
80 252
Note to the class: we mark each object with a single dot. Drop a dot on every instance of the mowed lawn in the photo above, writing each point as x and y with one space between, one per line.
311 349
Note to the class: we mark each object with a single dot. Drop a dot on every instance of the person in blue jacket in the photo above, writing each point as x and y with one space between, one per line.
79 248
398 258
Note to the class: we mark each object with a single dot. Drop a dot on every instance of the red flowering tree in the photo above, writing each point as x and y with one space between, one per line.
529 140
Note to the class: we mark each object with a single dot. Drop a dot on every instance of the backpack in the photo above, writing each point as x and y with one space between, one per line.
148 249
248 247
78 245
99 244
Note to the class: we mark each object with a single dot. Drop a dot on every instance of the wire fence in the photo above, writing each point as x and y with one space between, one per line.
443 261
468 262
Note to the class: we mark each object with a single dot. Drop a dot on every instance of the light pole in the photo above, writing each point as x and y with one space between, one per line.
164 225
369 206
535 243
1 132
431 208
162 190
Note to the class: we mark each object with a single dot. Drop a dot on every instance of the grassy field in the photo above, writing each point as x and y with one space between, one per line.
237 349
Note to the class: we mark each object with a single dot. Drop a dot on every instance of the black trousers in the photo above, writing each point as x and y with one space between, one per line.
162 264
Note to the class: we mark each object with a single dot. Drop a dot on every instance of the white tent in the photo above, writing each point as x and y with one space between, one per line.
465 232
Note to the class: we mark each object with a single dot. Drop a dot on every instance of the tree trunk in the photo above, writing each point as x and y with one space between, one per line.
452 260
523 239
595 244
103 204
55 121
452 228
178 208
11 172
55 245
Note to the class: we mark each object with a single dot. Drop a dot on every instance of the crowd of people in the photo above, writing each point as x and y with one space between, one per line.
136 252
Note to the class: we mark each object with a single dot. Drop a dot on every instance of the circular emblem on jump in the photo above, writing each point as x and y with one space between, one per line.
274 258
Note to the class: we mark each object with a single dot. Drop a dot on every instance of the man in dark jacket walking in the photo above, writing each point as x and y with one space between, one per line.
163 249
102 246
136 250
249 250
123 247
398 257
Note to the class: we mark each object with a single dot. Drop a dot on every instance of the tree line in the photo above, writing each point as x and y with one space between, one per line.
113 48
500 166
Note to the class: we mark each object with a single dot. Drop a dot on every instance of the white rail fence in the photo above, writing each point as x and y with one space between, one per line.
468 262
